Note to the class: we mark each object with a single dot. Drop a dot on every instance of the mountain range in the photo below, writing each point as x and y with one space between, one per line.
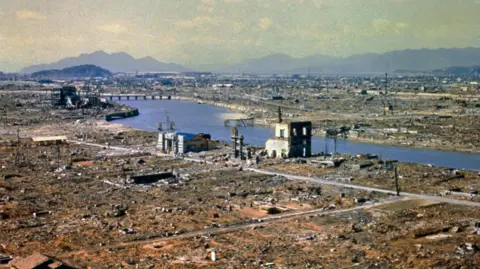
115 62
81 71
413 60
419 60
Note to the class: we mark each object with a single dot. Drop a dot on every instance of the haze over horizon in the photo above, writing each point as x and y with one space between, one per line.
202 32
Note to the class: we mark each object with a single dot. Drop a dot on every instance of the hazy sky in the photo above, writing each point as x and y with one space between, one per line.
194 32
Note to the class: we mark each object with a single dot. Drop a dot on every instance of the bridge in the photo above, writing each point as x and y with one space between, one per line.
134 96
235 119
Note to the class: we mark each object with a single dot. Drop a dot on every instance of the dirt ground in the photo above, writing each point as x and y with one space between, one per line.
76 202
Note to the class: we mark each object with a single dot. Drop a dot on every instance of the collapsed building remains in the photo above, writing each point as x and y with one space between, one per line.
292 139
178 143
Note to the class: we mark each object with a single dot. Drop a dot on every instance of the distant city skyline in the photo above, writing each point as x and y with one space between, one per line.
212 32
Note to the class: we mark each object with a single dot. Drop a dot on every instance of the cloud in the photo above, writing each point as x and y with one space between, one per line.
348 30
196 22
205 8
401 27
320 4
29 15
264 23
113 28
384 26
212 2
381 25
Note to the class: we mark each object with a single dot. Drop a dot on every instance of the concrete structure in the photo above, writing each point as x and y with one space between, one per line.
122 115
147 179
68 96
292 139
176 142
49 140
237 144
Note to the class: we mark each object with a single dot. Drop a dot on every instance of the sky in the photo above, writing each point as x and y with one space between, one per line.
204 32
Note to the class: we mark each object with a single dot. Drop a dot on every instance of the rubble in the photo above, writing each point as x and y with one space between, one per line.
123 204
167 177
36 261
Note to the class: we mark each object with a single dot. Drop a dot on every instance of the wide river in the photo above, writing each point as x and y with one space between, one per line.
200 118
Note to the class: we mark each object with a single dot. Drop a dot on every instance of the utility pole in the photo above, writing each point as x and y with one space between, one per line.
17 149
386 83
326 147
397 187
58 156
70 161
384 107
4 117
335 145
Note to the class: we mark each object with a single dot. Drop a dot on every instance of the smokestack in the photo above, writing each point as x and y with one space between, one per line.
279 115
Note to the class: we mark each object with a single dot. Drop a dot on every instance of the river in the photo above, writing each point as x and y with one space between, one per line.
200 118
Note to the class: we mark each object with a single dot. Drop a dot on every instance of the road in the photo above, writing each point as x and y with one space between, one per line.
318 180
359 187
250 224
231 227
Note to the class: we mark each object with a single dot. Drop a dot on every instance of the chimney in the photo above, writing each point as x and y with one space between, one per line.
279 115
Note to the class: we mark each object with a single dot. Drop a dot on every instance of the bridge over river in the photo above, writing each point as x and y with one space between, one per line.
134 96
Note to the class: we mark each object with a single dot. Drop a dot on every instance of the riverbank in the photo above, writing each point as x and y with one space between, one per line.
372 138
122 115
192 117
79 201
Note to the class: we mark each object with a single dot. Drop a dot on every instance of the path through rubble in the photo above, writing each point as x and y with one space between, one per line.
318 180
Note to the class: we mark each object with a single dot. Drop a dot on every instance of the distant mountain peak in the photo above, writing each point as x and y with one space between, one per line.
149 58
95 53
275 56
116 62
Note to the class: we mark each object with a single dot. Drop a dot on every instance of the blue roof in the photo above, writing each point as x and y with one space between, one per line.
187 136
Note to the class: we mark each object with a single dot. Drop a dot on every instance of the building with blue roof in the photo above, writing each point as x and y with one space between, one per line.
179 142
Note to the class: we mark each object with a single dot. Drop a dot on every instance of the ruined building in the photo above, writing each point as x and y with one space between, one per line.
177 142
292 139
66 96
237 144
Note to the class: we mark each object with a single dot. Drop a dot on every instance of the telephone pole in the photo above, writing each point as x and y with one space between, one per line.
326 148
397 187
386 83
58 156
17 149
335 145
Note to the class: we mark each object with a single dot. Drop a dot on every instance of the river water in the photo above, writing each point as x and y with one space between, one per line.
200 118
